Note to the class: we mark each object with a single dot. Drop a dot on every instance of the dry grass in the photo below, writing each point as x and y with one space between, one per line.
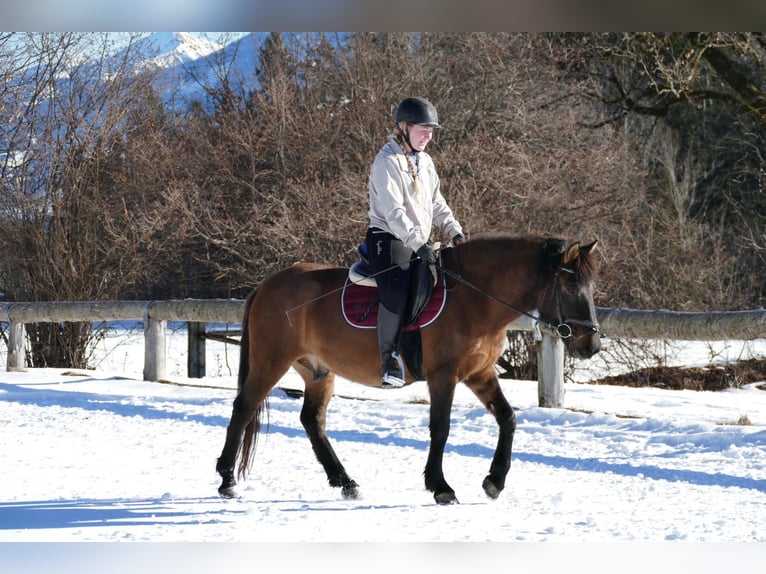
710 378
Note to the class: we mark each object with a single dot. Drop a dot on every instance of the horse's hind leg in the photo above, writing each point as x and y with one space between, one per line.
319 385
488 390
243 410
245 416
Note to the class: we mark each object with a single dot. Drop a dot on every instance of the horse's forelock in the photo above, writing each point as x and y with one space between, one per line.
550 252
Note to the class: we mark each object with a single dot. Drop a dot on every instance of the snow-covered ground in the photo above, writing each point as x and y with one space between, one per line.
100 455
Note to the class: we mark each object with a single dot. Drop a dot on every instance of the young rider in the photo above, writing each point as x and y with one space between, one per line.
405 204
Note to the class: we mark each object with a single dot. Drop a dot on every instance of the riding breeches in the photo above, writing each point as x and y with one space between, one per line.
391 261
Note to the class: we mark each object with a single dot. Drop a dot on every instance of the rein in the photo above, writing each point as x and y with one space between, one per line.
558 329
562 329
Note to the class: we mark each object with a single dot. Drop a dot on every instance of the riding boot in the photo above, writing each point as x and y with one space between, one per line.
391 364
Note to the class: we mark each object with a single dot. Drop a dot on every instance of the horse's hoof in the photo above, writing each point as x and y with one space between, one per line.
350 492
489 487
446 498
228 492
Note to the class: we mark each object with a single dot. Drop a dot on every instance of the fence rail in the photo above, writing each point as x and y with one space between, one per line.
676 325
154 314
199 310
615 323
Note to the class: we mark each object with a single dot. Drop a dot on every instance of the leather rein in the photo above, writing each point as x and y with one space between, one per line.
561 329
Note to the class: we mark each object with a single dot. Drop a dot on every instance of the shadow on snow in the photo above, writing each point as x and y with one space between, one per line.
116 405
110 512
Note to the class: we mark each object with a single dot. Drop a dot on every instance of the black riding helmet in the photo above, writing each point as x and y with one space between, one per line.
417 111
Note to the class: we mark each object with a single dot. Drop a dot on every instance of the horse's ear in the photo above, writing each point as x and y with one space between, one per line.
571 254
575 250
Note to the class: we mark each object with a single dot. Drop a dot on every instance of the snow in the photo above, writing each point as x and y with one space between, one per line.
102 456
178 47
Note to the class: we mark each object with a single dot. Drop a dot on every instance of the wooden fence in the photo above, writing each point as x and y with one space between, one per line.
154 314
615 323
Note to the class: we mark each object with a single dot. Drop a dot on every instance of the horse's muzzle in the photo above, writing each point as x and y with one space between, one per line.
586 345
583 338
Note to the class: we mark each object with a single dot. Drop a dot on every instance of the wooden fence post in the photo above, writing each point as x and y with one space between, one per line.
195 358
16 334
154 348
550 372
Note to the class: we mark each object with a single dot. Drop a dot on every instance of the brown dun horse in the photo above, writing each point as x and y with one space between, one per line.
294 319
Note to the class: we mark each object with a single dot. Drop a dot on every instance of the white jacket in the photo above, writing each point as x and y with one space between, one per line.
395 209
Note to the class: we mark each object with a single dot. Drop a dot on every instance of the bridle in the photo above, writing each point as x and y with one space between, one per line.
561 328
567 322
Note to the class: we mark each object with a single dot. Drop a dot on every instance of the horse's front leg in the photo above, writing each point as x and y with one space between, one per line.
313 418
487 389
442 392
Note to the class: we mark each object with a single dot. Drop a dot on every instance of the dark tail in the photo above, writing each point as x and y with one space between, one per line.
250 436
244 342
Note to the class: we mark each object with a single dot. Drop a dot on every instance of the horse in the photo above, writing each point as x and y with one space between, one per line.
294 319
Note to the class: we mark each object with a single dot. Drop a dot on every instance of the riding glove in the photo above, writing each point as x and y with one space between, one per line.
427 254
458 239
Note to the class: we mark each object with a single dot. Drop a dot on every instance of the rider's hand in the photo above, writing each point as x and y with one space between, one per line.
458 239
427 254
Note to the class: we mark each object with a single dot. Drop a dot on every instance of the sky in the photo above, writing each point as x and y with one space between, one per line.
620 474
379 15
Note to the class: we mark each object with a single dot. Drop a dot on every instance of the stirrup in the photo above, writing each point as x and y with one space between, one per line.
390 381
393 372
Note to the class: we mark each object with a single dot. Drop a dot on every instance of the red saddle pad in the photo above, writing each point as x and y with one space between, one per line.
360 306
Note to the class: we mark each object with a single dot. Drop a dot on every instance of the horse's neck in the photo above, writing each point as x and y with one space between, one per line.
505 270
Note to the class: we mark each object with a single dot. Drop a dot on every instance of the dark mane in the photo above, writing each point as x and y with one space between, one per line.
495 235
551 250
513 241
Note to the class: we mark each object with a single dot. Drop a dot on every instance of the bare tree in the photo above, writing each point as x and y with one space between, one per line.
73 100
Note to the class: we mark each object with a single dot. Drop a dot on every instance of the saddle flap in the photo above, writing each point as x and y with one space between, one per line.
359 303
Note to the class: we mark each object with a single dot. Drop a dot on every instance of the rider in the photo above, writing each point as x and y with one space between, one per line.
405 203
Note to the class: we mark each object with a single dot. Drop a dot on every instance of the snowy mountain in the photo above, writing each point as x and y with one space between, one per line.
174 48
191 68
192 64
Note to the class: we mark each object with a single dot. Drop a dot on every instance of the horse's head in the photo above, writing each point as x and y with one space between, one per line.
568 305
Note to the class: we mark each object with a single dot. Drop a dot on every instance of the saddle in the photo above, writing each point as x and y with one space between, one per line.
359 299
359 302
